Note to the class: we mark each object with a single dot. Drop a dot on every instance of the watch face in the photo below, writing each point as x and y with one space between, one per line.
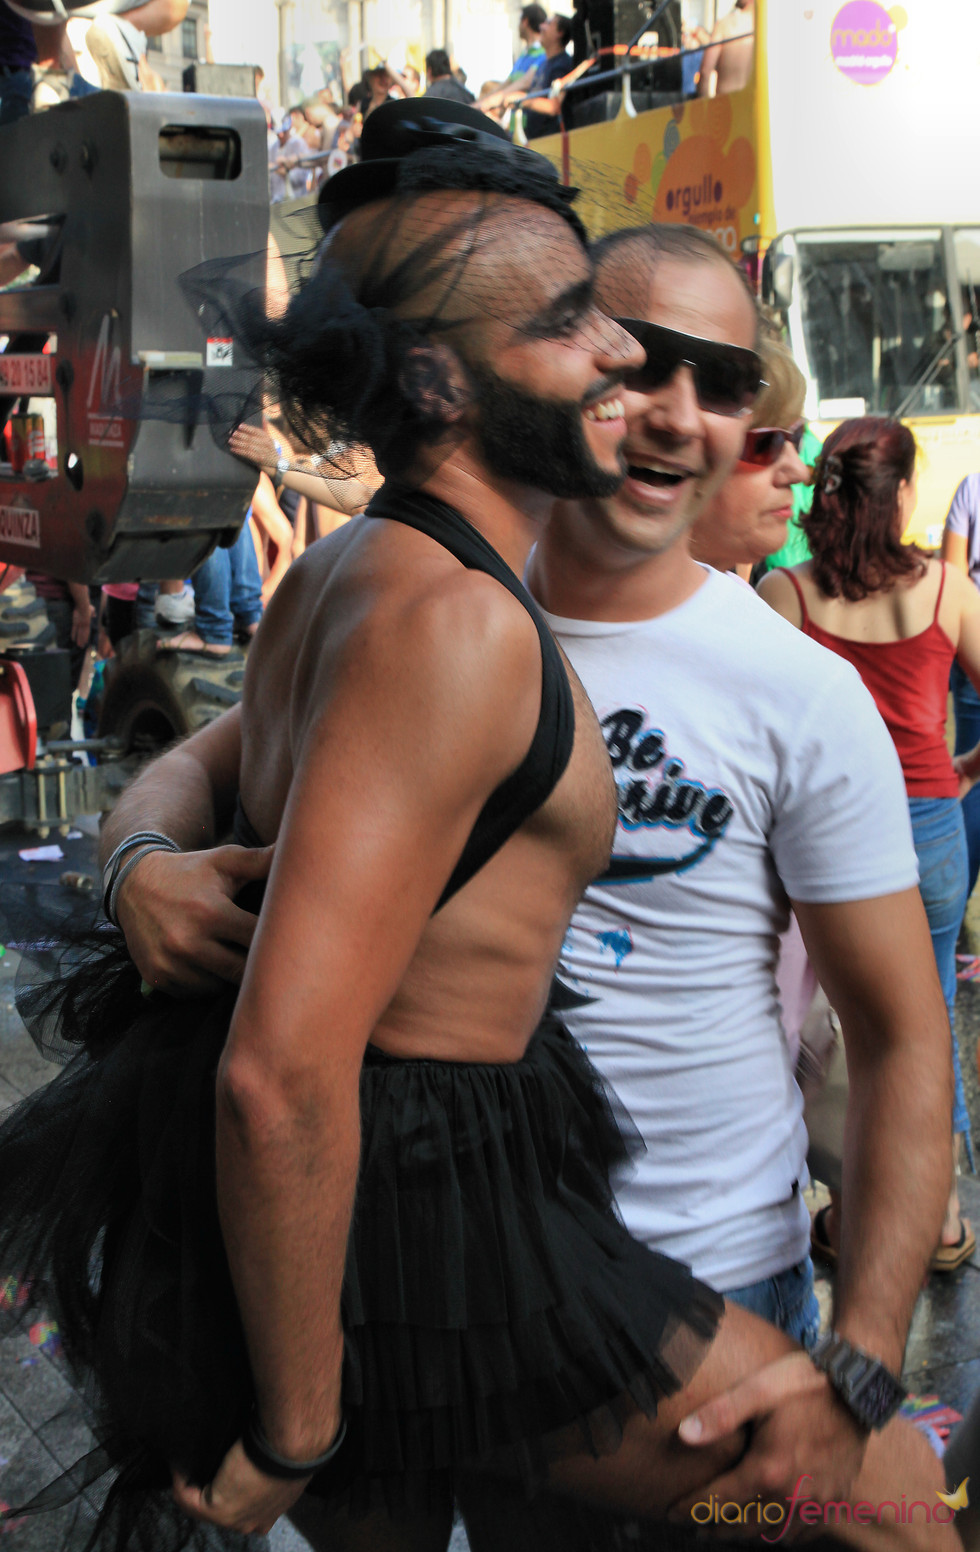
879 1395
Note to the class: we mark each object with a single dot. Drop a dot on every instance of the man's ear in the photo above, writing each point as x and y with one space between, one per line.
433 378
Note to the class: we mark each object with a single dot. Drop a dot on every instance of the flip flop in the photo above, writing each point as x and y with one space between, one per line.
819 1238
176 644
948 1258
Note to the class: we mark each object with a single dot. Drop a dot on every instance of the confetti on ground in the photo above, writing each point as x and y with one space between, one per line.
13 1293
42 854
930 1414
971 967
45 1335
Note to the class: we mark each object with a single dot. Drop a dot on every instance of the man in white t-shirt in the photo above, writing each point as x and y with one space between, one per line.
752 772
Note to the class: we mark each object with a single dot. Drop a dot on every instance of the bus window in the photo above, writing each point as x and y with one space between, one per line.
880 336
967 245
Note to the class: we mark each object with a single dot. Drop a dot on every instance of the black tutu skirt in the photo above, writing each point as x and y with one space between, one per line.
495 1309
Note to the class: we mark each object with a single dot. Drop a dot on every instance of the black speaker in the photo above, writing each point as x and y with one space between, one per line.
122 193
220 80
618 21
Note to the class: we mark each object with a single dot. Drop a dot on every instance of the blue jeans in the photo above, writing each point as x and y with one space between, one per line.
940 845
227 591
786 1300
16 91
966 706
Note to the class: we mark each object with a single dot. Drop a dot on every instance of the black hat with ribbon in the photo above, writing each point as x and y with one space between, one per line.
396 129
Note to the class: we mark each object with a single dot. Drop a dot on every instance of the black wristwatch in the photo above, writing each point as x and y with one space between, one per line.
869 1391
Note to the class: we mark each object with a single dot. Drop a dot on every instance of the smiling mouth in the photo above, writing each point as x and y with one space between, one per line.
606 409
661 476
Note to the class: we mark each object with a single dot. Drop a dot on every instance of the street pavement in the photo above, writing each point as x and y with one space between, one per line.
43 1426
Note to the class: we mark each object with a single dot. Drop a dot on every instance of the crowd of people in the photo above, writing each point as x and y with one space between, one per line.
535 801
320 136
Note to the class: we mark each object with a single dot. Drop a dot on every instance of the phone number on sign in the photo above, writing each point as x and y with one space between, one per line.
26 374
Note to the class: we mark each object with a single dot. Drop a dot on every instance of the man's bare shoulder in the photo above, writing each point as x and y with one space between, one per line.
735 25
381 611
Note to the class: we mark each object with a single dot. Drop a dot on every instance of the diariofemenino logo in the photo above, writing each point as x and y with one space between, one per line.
777 1520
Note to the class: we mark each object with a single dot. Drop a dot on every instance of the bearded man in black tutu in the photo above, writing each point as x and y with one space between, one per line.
338 1243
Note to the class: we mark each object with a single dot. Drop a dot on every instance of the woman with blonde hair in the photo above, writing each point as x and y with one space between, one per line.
747 518
900 618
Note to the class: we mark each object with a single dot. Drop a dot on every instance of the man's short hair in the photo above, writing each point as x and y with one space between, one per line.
621 282
535 16
564 25
437 64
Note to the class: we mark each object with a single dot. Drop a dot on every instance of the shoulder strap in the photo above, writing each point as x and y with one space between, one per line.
942 584
799 592
526 788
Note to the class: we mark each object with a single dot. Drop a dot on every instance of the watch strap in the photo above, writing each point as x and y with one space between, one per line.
869 1390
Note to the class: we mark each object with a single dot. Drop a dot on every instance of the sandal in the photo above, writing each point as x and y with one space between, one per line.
948 1258
820 1245
179 642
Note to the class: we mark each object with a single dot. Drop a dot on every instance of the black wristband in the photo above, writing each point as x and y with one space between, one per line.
265 1459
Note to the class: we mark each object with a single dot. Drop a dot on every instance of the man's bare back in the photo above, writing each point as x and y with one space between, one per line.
731 52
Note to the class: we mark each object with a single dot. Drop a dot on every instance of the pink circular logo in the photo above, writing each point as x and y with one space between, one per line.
864 41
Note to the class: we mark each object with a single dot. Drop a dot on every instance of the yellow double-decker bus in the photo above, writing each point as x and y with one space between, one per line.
845 170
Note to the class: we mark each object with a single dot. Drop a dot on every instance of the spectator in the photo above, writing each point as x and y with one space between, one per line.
70 611
228 598
541 117
378 83
900 619
693 40
961 548
728 59
18 57
530 22
118 618
287 179
748 516
442 81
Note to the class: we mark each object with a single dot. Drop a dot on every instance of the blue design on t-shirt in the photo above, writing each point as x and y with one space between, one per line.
620 943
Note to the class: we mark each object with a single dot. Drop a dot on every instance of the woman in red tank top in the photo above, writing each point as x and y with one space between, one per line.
901 619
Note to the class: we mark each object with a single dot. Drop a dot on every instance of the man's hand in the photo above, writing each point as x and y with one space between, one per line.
183 929
967 780
241 1497
81 625
255 445
798 1428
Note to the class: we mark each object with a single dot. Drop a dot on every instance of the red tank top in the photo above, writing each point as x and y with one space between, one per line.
909 681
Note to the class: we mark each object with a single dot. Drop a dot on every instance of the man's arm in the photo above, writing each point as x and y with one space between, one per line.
954 551
81 616
156 17
709 62
874 959
183 929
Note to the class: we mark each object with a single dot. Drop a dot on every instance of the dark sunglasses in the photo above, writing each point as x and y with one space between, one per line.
727 378
764 444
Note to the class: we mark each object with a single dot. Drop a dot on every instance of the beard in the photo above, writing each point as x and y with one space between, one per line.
537 442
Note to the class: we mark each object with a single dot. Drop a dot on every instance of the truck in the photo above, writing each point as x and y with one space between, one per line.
107 204
840 178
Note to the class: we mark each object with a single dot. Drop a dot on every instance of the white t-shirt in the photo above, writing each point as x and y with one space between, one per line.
751 764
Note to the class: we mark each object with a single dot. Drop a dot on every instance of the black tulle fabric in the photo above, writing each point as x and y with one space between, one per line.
495 1308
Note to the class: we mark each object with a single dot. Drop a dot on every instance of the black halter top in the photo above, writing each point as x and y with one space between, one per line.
521 793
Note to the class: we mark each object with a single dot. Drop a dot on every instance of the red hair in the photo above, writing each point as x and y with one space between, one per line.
853 527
